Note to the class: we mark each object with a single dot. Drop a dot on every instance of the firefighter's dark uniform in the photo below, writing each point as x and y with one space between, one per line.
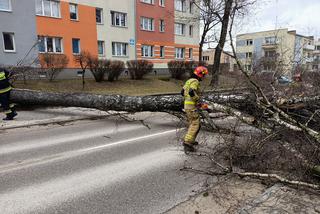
5 89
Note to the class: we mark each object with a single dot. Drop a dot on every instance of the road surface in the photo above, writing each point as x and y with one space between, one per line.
109 165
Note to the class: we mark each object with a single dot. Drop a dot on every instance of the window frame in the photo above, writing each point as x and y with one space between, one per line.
101 15
182 28
249 42
183 6
191 7
79 46
9 9
103 48
162 52
147 1
248 55
76 12
54 48
150 50
13 42
114 16
114 49
142 23
162 26
190 53
162 3
51 8
178 53
191 30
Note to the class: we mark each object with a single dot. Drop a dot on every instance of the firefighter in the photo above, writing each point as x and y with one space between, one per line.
191 93
5 89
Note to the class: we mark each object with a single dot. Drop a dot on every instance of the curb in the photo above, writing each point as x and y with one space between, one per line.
51 121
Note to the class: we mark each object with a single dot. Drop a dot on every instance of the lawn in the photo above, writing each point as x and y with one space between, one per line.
124 86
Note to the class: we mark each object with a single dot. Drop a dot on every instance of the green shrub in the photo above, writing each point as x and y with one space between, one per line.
139 68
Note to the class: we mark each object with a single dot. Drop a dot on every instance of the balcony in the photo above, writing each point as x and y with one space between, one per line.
270 45
309 59
309 47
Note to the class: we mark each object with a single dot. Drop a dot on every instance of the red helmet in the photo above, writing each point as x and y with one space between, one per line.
200 71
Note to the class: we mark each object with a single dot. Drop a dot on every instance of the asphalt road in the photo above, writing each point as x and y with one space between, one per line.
95 166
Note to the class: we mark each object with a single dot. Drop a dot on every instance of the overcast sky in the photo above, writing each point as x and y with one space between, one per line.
300 15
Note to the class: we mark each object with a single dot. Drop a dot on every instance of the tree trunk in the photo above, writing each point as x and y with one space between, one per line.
243 102
102 102
222 40
203 37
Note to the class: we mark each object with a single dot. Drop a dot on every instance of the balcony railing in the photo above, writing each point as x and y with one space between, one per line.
309 47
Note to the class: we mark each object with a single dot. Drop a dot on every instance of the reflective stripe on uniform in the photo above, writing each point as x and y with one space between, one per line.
5 90
8 111
189 102
2 76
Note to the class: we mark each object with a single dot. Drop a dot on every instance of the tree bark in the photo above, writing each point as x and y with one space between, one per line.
222 40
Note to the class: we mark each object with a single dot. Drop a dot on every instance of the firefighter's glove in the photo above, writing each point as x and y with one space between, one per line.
203 106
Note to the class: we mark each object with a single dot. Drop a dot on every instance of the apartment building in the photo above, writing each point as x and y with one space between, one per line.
18 37
187 28
156 30
281 50
226 60
316 56
67 28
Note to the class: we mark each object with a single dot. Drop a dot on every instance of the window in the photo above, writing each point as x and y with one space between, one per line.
8 41
5 5
249 55
179 28
50 44
118 19
73 11
119 49
99 15
271 40
270 53
101 48
180 5
249 42
190 53
179 53
76 46
205 58
147 51
318 47
161 51
191 7
161 3
248 67
48 8
161 27
190 30
315 67
147 1
147 24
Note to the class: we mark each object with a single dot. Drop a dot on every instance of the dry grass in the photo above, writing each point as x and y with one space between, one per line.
124 86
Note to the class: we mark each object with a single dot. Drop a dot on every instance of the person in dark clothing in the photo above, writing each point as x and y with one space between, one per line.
5 89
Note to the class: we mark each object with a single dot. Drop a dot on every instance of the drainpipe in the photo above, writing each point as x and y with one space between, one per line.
135 29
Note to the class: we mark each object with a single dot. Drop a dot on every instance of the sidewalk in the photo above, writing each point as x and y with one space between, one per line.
43 116
249 196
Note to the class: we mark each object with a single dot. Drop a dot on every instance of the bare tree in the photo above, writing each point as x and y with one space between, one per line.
53 64
83 59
